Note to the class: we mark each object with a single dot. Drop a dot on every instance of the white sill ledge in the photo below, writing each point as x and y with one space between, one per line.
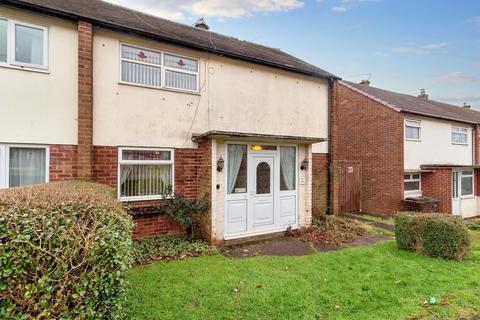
149 198
195 93
460 144
29 69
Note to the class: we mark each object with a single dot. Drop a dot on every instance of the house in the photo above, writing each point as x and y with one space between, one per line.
391 149
155 109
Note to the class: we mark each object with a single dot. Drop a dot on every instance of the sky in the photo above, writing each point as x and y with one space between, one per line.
400 45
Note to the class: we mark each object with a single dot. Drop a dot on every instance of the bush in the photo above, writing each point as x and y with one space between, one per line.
64 248
432 234
475 225
184 211
167 248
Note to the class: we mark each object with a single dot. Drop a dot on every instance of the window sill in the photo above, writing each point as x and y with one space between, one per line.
143 198
460 144
8 66
467 197
409 194
413 140
195 93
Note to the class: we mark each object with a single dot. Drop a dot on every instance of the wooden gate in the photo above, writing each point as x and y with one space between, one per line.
349 187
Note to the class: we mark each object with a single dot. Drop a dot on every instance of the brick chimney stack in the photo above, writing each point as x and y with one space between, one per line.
423 95
365 82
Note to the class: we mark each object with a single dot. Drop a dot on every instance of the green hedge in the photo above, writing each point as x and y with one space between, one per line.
432 234
64 249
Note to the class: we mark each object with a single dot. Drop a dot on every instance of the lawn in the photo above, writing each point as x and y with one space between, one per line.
376 282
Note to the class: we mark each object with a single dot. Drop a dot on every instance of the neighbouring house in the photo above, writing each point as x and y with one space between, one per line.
154 108
392 150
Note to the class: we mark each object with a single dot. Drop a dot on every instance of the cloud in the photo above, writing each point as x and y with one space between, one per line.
435 45
418 52
475 20
424 50
346 5
191 9
339 9
457 76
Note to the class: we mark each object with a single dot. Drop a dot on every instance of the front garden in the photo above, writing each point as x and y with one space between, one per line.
66 253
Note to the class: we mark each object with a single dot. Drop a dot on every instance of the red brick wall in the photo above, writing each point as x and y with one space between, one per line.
105 165
186 172
153 225
438 184
319 183
365 130
63 162
85 100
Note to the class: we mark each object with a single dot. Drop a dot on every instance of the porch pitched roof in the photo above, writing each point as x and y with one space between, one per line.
262 136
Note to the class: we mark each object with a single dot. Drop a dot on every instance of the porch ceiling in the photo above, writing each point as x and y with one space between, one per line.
258 136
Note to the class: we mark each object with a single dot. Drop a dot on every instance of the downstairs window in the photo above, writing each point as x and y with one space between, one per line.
22 166
412 183
145 174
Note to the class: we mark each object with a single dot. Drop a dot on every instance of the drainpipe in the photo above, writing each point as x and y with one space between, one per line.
330 148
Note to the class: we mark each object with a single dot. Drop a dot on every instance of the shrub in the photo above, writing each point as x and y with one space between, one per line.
475 225
432 234
64 248
331 229
184 211
167 248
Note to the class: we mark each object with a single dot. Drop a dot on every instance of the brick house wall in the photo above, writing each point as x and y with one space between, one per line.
438 184
85 100
204 184
364 130
319 183
63 162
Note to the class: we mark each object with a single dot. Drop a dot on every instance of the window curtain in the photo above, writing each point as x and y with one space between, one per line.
28 45
235 156
287 165
27 167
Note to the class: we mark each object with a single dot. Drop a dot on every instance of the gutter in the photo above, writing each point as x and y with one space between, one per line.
110 25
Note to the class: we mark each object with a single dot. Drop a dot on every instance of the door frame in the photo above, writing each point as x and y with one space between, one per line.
277 193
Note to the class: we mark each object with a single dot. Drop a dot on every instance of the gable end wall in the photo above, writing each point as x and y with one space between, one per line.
371 133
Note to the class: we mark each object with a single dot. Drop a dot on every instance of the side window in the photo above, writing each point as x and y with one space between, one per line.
459 135
412 130
412 183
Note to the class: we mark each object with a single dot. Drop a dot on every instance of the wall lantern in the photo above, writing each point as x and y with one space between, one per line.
304 165
220 164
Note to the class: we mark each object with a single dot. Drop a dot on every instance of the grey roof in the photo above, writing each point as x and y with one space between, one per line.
411 104
127 20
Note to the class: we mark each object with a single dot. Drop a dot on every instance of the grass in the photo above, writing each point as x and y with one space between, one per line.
376 282
377 219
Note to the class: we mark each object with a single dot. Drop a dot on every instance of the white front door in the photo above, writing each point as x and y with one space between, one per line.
263 191
456 202
260 189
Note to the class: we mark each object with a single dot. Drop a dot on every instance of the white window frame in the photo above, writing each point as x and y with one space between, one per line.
415 124
460 178
411 179
162 67
159 162
11 62
5 162
459 129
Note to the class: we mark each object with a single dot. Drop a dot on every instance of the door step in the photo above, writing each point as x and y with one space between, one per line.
253 239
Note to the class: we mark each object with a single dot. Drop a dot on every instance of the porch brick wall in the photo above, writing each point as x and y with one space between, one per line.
366 131
85 100
438 184
204 184
319 183
63 162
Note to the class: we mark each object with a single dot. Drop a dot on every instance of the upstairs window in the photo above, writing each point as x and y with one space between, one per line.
158 69
459 135
412 130
412 183
23 44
